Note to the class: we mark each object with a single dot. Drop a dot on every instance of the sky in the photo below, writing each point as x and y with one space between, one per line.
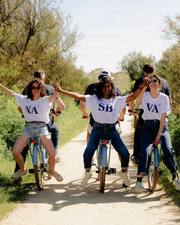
114 28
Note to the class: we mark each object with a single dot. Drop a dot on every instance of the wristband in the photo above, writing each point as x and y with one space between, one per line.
140 88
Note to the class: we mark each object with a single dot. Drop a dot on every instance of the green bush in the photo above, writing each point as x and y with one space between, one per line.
11 124
174 128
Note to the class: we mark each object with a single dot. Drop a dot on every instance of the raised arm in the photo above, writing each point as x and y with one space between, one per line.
8 91
70 94
140 96
60 107
84 111
137 92
53 96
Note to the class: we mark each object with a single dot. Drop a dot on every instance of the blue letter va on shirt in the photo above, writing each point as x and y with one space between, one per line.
152 108
31 110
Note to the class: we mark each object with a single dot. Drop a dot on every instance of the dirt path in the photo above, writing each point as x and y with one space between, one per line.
67 203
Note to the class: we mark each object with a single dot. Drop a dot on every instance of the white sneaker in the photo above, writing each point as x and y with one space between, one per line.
18 174
176 183
139 187
85 179
126 178
57 158
56 175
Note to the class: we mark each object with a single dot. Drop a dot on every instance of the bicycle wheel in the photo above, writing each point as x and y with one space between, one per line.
152 175
39 170
102 176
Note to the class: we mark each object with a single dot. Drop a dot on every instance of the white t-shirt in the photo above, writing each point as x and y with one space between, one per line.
37 110
154 108
105 110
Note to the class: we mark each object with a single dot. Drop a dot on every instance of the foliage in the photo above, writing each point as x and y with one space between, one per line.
35 34
11 125
169 68
133 64
165 181
174 127
171 29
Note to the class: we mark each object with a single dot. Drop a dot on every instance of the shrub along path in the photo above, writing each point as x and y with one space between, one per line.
67 203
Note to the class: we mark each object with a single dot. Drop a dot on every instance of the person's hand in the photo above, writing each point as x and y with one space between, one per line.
120 118
146 81
58 111
85 115
57 87
131 111
158 139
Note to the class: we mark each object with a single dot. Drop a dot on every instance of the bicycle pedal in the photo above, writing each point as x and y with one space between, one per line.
31 170
112 170
108 172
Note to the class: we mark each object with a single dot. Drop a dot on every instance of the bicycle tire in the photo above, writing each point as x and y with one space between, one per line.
39 171
102 176
152 178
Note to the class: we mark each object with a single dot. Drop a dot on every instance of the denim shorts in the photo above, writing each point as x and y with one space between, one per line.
35 130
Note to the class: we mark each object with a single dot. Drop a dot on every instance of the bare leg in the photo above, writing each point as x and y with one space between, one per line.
17 149
48 145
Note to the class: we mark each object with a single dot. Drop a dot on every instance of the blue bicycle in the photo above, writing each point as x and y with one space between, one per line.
103 161
40 161
153 169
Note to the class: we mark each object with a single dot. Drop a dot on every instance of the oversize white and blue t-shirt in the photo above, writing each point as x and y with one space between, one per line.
37 110
154 108
105 110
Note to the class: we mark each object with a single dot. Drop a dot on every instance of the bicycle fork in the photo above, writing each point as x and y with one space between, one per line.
36 142
156 156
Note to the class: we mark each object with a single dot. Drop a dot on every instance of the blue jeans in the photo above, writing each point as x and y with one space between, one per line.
55 134
150 130
105 131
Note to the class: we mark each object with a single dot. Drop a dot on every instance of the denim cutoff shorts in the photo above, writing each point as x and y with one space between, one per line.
35 130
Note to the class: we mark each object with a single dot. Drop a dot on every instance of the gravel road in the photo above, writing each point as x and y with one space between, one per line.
67 203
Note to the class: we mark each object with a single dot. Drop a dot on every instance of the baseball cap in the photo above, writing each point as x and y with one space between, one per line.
105 73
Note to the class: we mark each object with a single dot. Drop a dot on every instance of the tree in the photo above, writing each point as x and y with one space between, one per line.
133 64
39 37
169 65
172 28
169 68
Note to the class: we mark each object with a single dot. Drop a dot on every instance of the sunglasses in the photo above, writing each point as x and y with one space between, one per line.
34 88
154 81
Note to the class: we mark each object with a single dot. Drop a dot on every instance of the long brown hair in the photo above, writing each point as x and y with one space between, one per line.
101 84
28 89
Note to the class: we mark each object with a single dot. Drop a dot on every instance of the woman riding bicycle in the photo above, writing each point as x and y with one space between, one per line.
105 107
155 130
35 106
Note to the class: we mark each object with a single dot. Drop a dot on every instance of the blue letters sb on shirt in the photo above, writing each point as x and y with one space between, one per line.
105 107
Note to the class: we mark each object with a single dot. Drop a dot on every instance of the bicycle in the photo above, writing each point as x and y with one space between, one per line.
39 160
153 169
103 162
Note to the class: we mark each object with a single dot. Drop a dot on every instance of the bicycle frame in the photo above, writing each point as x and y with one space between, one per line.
102 148
103 161
156 156
39 160
37 142
153 169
